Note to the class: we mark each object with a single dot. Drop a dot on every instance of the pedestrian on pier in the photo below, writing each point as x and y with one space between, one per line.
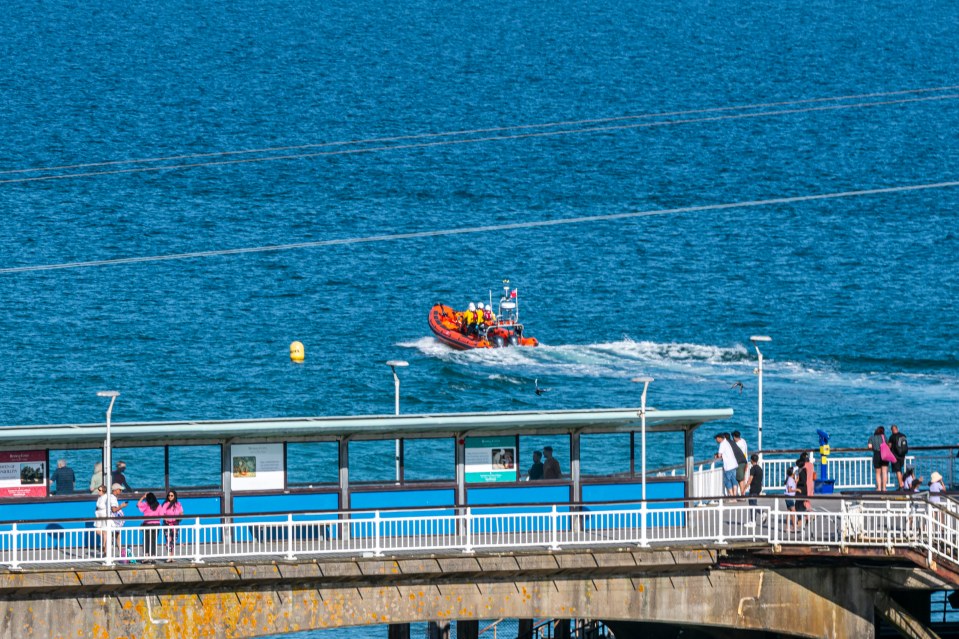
805 485
791 490
742 458
899 446
64 478
730 464
171 510
878 463
120 478
536 470
936 487
150 507
97 480
551 469
754 481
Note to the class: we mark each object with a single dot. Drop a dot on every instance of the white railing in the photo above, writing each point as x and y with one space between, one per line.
847 473
896 521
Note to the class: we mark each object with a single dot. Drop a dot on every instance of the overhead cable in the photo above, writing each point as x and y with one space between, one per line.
480 229
606 126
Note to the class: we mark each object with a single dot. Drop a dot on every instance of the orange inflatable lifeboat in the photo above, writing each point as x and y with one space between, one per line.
504 330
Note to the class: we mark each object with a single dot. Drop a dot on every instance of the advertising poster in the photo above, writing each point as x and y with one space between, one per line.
256 467
491 459
23 473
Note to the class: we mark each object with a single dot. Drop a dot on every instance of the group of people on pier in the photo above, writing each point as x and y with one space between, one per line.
160 517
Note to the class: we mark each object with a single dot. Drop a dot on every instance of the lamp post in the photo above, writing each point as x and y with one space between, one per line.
394 364
107 449
642 414
756 339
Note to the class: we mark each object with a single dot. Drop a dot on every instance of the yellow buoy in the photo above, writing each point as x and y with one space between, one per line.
297 352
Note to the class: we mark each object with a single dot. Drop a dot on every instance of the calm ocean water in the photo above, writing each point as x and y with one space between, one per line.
857 293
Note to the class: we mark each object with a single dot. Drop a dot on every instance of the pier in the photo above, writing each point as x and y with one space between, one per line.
480 546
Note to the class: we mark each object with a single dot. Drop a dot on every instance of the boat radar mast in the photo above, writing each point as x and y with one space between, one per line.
509 304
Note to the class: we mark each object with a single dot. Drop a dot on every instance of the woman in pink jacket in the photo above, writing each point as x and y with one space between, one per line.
171 510
150 507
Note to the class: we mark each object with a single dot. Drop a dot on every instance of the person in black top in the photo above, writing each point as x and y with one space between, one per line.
64 478
900 448
536 470
754 480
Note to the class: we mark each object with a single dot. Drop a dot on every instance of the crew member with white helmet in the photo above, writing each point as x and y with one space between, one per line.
480 318
469 318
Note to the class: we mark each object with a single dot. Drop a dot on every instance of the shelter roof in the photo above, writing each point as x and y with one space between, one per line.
605 420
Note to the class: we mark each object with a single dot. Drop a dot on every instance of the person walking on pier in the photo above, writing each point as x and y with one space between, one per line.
878 463
730 464
899 446
171 510
536 470
97 480
120 478
742 456
754 480
805 486
150 507
64 478
791 490
551 469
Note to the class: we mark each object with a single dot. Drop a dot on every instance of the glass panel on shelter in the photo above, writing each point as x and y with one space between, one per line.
312 463
194 467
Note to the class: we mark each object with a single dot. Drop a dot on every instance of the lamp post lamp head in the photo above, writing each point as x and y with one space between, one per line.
108 393
397 363
760 338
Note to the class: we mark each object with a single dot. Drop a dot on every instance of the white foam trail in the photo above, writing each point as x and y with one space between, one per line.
697 363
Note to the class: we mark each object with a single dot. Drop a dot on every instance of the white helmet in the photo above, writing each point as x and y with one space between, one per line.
472 306
480 306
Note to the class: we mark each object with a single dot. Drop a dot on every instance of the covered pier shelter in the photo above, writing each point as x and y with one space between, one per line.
289 465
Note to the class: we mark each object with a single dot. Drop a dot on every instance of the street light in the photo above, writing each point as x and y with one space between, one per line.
394 364
107 453
755 339
642 413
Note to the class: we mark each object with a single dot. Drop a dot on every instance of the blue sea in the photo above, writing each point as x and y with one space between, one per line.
857 292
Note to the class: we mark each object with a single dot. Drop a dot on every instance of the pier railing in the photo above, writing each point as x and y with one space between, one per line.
911 522
848 471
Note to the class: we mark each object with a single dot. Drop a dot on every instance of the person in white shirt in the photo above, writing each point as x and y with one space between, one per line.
729 463
791 498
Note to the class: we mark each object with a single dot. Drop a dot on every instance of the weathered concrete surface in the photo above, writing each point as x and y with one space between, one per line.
251 600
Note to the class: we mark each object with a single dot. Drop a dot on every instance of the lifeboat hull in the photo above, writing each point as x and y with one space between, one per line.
446 327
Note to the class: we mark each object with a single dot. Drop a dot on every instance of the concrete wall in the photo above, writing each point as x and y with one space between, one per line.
687 587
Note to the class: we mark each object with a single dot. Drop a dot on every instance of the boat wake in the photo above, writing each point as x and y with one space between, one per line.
702 363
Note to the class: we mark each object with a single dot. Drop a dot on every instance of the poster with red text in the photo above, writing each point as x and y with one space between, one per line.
23 473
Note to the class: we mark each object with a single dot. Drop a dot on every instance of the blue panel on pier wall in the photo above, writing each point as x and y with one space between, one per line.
623 492
518 495
285 503
602 517
58 511
408 498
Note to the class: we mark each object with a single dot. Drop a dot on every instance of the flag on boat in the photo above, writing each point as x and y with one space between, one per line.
513 294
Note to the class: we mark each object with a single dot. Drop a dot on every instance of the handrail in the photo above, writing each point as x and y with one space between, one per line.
884 520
